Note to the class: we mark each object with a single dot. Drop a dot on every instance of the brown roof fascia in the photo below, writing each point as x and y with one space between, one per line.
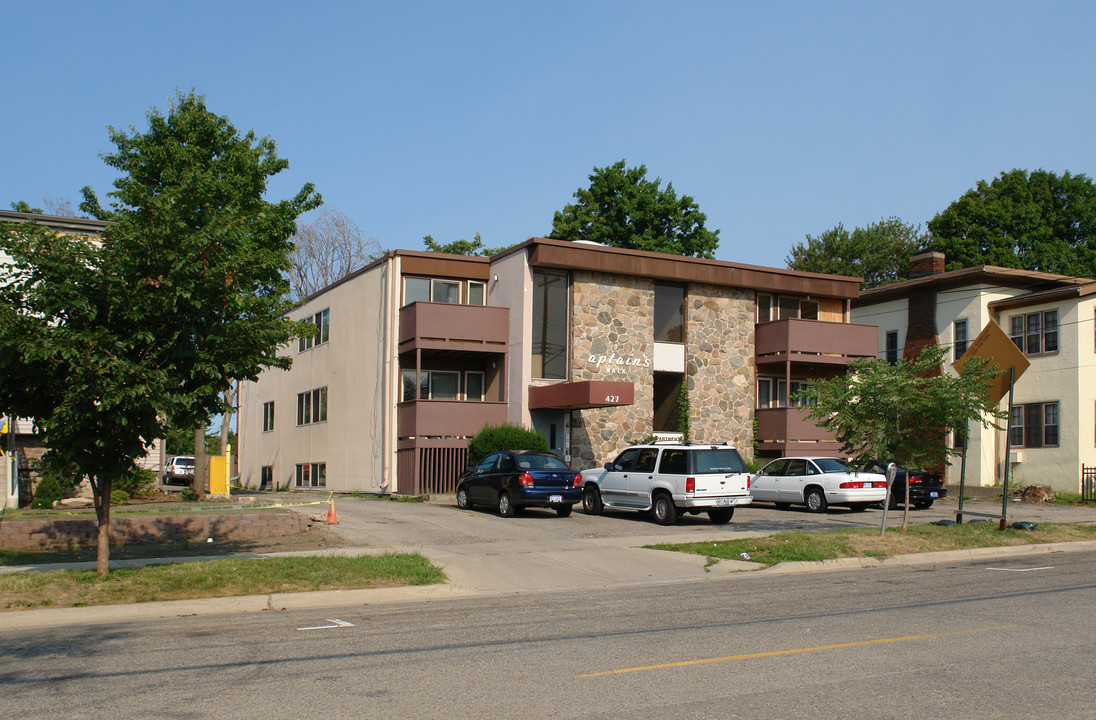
1038 298
565 255
979 274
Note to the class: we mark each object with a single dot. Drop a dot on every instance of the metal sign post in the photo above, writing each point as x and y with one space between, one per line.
892 472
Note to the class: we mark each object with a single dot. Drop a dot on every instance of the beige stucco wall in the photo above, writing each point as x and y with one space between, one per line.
352 367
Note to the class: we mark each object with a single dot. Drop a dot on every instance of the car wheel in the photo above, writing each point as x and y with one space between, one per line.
563 510
506 508
462 499
922 504
816 500
663 509
722 516
591 501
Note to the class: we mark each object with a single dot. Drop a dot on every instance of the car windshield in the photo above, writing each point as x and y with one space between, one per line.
829 465
721 460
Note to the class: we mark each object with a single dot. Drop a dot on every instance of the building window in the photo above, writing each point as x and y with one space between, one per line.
892 346
669 313
1035 425
420 289
435 385
312 406
474 384
266 477
783 307
773 393
1035 333
322 320
549 329
268 416
477 293
312 475
960 340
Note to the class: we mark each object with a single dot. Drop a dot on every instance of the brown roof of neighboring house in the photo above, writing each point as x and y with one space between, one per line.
72 225
977 275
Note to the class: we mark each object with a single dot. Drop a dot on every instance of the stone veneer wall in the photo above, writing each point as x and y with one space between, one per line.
612 316
719 352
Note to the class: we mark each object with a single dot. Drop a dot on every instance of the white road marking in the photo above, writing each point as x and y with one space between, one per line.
338 623
1045 567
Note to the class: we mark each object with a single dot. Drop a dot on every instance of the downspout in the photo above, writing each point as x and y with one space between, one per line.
386 384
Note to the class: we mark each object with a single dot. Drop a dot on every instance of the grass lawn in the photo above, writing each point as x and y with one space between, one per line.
214 578
866 542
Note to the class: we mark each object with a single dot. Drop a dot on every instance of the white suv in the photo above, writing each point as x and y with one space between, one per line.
670 479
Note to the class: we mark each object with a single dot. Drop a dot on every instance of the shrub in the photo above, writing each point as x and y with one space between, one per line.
135 482
188 495
119 497
48 491
493 438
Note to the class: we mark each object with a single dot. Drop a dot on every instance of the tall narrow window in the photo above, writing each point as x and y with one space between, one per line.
549 328
473 386
764 308
892 346
960 340
764 392
268 416
476 294
669 313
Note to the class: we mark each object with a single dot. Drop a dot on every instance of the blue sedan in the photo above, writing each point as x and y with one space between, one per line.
513 480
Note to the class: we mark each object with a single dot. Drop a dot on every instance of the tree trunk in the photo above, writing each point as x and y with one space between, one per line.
906 510
201 463
101 492
226 419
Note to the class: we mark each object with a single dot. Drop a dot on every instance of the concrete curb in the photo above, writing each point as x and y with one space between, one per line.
931 558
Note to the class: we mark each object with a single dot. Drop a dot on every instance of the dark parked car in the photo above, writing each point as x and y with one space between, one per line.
514 480
925 486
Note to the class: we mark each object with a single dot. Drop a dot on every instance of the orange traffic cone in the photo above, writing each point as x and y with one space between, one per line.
331 519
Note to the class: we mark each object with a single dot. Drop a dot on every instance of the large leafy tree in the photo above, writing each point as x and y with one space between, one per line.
109 341
622 208
1032 221
879 253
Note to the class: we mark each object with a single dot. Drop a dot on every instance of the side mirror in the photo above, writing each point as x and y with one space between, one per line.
608 466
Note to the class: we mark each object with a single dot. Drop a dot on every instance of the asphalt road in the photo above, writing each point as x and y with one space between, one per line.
995 639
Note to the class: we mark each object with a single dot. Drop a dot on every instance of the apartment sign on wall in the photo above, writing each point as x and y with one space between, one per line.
614 364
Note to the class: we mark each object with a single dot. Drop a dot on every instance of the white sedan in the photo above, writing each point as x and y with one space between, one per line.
817 482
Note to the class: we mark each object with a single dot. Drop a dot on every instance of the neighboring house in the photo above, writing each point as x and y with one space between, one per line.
28 446
587 344
1049 317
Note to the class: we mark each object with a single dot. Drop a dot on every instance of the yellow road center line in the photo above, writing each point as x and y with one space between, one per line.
793 651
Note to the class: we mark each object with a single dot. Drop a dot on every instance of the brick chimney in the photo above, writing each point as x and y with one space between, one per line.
927 263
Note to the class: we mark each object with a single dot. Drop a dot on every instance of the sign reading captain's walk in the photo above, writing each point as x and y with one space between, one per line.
996 347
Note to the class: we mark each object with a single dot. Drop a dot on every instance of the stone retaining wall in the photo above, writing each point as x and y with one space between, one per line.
66 533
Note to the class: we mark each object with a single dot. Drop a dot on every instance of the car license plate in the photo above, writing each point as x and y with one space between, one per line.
555 498
934 494
723 502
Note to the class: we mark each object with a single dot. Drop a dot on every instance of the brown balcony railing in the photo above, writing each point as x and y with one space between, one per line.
814 341
446 418
444 326
788 430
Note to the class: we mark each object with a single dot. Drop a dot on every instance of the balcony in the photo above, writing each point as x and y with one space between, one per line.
788 431
445 326
814 342
446 418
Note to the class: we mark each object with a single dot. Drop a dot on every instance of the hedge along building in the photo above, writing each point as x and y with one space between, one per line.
591 346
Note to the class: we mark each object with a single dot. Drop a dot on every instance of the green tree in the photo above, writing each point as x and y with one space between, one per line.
879 253
461 247
1032 221
24 207
902 411
108 341
624 209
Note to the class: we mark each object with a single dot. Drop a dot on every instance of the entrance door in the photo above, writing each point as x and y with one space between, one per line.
549 423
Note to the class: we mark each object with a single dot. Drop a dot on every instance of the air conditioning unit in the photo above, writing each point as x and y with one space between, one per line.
1015 456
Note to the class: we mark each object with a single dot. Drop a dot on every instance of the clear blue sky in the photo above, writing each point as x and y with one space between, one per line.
780 118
